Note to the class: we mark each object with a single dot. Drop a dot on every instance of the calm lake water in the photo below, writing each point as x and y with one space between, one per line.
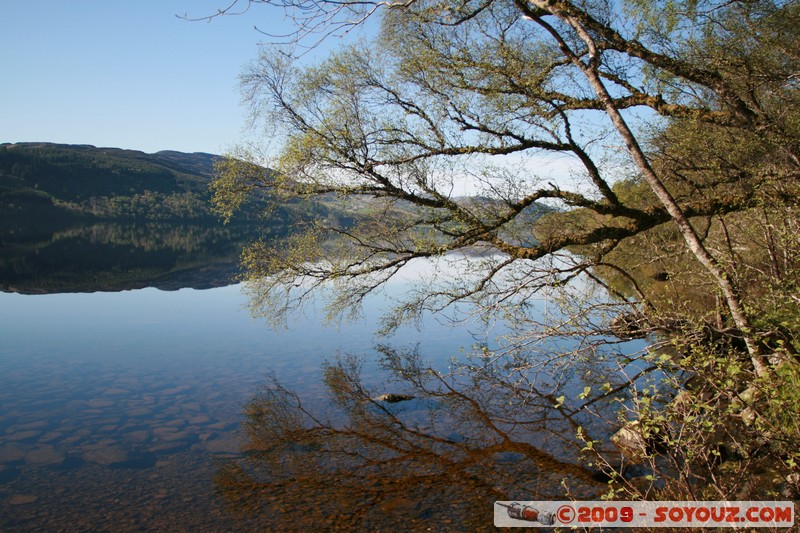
115 405
152 410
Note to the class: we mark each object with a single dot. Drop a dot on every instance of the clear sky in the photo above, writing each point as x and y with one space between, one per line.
126 73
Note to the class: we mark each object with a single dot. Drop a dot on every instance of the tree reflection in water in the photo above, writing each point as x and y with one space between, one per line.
439 460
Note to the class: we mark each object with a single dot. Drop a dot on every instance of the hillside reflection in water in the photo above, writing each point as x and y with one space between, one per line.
120 256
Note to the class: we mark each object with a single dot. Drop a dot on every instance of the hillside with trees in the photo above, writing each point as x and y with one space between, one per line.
82 218
78 181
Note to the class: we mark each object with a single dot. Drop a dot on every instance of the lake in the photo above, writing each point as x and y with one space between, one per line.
148 409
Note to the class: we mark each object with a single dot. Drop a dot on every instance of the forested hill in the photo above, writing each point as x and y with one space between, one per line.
66 181
77 218
82 218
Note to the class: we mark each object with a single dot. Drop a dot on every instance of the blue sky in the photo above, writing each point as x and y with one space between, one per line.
126 73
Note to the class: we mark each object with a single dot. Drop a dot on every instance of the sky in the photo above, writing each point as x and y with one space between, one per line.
127 73
137 74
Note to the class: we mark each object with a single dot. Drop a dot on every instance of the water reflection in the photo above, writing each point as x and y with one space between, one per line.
120 256
119 407
437 461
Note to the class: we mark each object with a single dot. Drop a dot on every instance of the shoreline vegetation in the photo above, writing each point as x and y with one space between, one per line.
77 218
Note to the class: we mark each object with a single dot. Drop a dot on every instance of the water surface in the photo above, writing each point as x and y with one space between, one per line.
115 406
176 410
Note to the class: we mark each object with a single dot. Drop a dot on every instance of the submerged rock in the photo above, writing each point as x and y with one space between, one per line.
11 453
23 499
393 398
106 455
223 445
45 456
629 326
630 442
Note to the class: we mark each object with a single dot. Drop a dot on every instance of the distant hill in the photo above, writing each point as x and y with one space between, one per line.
67 212
67 181
82 218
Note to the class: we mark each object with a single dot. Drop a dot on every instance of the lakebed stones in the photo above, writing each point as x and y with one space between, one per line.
52 436
105 454
170 434
199 419
167 447
45 456
11 453
99 403
23 435
223 425
137 412
138 435
223 445
23 499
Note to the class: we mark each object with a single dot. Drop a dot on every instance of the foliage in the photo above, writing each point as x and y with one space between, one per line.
726 436
450 92
51 187
687 216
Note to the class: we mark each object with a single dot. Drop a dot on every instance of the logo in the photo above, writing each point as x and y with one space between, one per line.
518 511
633 514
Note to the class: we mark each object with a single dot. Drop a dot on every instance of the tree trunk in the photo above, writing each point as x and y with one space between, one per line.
723 280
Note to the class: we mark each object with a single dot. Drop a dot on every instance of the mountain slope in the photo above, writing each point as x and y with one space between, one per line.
85 181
